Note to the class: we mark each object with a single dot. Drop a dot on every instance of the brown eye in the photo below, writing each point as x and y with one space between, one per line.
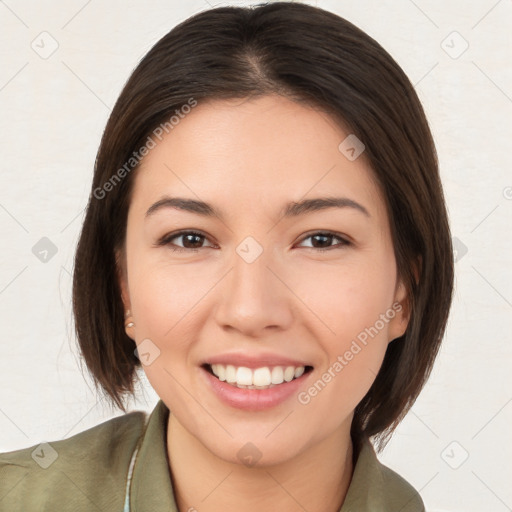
191 240
322 241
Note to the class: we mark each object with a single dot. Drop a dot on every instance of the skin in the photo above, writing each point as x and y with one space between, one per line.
249 158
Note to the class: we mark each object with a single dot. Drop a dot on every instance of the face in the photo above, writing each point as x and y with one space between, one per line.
252 291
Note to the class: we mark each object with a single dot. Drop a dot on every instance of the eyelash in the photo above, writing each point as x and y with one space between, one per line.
165 240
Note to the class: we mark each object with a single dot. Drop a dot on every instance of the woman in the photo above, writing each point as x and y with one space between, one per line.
266 237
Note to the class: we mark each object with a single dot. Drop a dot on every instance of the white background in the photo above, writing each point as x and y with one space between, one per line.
53 112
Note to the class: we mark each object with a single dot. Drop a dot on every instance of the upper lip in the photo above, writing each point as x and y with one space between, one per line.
255 360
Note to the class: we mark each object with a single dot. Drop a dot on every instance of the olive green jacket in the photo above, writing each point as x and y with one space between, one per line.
121 465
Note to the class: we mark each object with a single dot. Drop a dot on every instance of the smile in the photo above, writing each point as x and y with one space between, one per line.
256 378
254 389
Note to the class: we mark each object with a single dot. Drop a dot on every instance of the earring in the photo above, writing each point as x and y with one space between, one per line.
128 324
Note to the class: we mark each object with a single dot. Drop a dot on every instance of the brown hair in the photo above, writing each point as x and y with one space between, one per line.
308 55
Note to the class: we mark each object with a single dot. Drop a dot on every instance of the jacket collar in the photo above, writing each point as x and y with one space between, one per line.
151 483
151 487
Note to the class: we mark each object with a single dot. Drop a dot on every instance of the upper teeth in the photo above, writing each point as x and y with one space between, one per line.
258 377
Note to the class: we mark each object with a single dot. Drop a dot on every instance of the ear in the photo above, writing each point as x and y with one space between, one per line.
402 306
122 278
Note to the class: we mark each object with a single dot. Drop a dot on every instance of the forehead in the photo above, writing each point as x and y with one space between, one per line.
255 154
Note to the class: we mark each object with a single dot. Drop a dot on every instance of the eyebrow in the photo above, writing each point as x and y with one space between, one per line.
292 209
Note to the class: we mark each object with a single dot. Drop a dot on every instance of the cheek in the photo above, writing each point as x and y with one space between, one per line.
346 298
164 297
163 300
350 305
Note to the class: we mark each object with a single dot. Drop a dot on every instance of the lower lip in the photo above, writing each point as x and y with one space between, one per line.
254 399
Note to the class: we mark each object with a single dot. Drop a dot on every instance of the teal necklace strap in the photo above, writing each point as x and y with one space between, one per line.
128 480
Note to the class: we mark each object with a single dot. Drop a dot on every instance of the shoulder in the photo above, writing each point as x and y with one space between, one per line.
73 471
399 493
375 486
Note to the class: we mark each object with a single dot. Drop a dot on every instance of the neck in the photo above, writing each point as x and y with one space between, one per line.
315 480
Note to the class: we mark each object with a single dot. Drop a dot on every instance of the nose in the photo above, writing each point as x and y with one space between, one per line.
254 297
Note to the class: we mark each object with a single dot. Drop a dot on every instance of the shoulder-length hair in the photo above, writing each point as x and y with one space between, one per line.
308 55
